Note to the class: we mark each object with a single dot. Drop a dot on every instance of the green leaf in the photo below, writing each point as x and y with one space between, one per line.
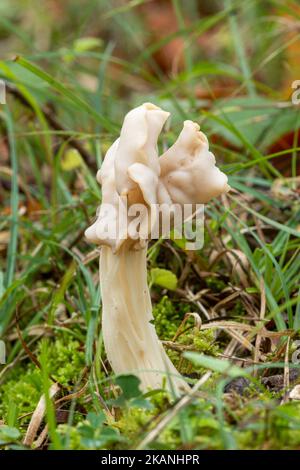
96 420
163 278
94 434
71 160
14 200
217 365
130 386
8 433
86 44
132 395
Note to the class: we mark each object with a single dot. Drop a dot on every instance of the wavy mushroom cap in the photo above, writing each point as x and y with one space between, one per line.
133 173
138 144
188 169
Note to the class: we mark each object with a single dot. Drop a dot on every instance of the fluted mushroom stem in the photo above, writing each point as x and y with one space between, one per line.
130 340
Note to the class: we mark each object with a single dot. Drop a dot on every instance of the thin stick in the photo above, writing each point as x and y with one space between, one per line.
261 317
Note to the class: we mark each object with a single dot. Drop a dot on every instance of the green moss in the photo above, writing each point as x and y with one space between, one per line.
23 385
108 435
215 283
197 426
23 391
70 436
133 420
261 423
167 317
65 360
285 426
205 342
238 309
195 340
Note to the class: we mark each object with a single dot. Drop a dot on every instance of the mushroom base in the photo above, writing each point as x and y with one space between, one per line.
130 340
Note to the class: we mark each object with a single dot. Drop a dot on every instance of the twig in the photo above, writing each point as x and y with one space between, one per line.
38 415
286 374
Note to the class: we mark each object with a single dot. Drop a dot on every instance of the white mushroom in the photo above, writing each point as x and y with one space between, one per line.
133 174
